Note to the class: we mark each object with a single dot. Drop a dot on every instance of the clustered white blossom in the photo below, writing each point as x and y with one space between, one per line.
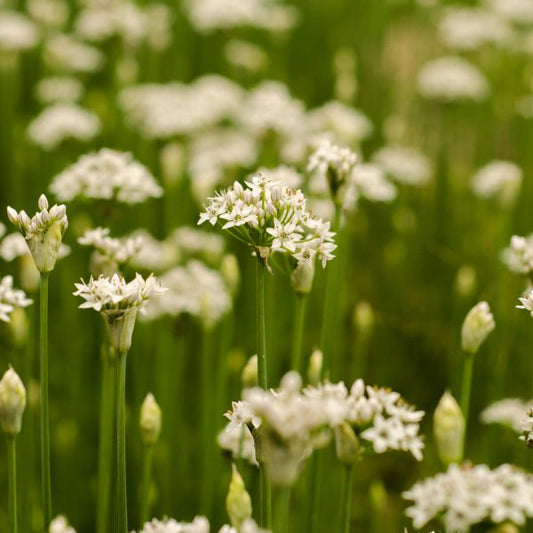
526 427
112 294
526 301
110 251
10 298
105 175
518 256
498 180
200 524
292 422
60 525
65 53
193 289
50 14
405 165
43 233
17 32
450 79
209 15
467 495
271 218
61 122
59 89
508 412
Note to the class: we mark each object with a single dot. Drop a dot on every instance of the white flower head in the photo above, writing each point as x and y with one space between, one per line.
60 525
11 298
508 412
43 233
199 525
498 180
526 426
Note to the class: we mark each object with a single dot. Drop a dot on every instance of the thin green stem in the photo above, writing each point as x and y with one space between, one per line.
261 325
282 510
207 437
46 483
265 490
120 392
466 388
346 499
299 320
12 474
330 326
105 451
146 482
313 498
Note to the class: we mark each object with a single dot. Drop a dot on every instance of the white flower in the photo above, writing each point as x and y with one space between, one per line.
63 121
17 32
405 165
106 175
508 412
60 525
10 298
49 13
65 53
59 89
526 427
368 181
477 325
451 79
526 301
270 218
199 525
469 495
153 255
246 55
519 11
519 255
498 180
43 233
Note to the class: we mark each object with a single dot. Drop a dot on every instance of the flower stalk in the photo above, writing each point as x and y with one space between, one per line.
120 439
346 498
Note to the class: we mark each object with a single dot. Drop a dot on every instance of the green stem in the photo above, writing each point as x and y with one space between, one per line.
46 483
466 388
265 491
346 499
146 482
330 326
105 451
120 392
282 511
313 498
207 437
261 325
299 320
12 474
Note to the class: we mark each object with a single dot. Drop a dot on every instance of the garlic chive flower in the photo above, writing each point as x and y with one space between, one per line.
518 256
150 421
271 218
200 524
334 163
477 325
507 412
118 302
526 302
12 403
467 495
44 232
60 525
11 298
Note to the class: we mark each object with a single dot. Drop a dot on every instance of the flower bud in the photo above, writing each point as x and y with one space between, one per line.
29 275
465 281
449 429
45 248
364 318
12 403
150 421
478 323
249 377
230 272
314 371
238 501
302 277
346 444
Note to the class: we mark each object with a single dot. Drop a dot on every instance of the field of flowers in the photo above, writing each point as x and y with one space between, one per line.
266 266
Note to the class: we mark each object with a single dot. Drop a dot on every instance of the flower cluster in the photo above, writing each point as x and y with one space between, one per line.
110 253
105 175
518 256
10 298
498 180
193 289
200 524
508 412
17 32
526 302
287 424
271 218
467 495
43 233
526 426
405 165
60 525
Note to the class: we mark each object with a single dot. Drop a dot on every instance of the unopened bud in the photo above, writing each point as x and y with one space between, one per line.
29 275
12 402
465 281
302 277
314 371
150 421
346 444
478 323
249 377
364 318
238 501
449 429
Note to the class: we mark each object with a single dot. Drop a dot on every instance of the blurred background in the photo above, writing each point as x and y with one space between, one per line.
436 98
